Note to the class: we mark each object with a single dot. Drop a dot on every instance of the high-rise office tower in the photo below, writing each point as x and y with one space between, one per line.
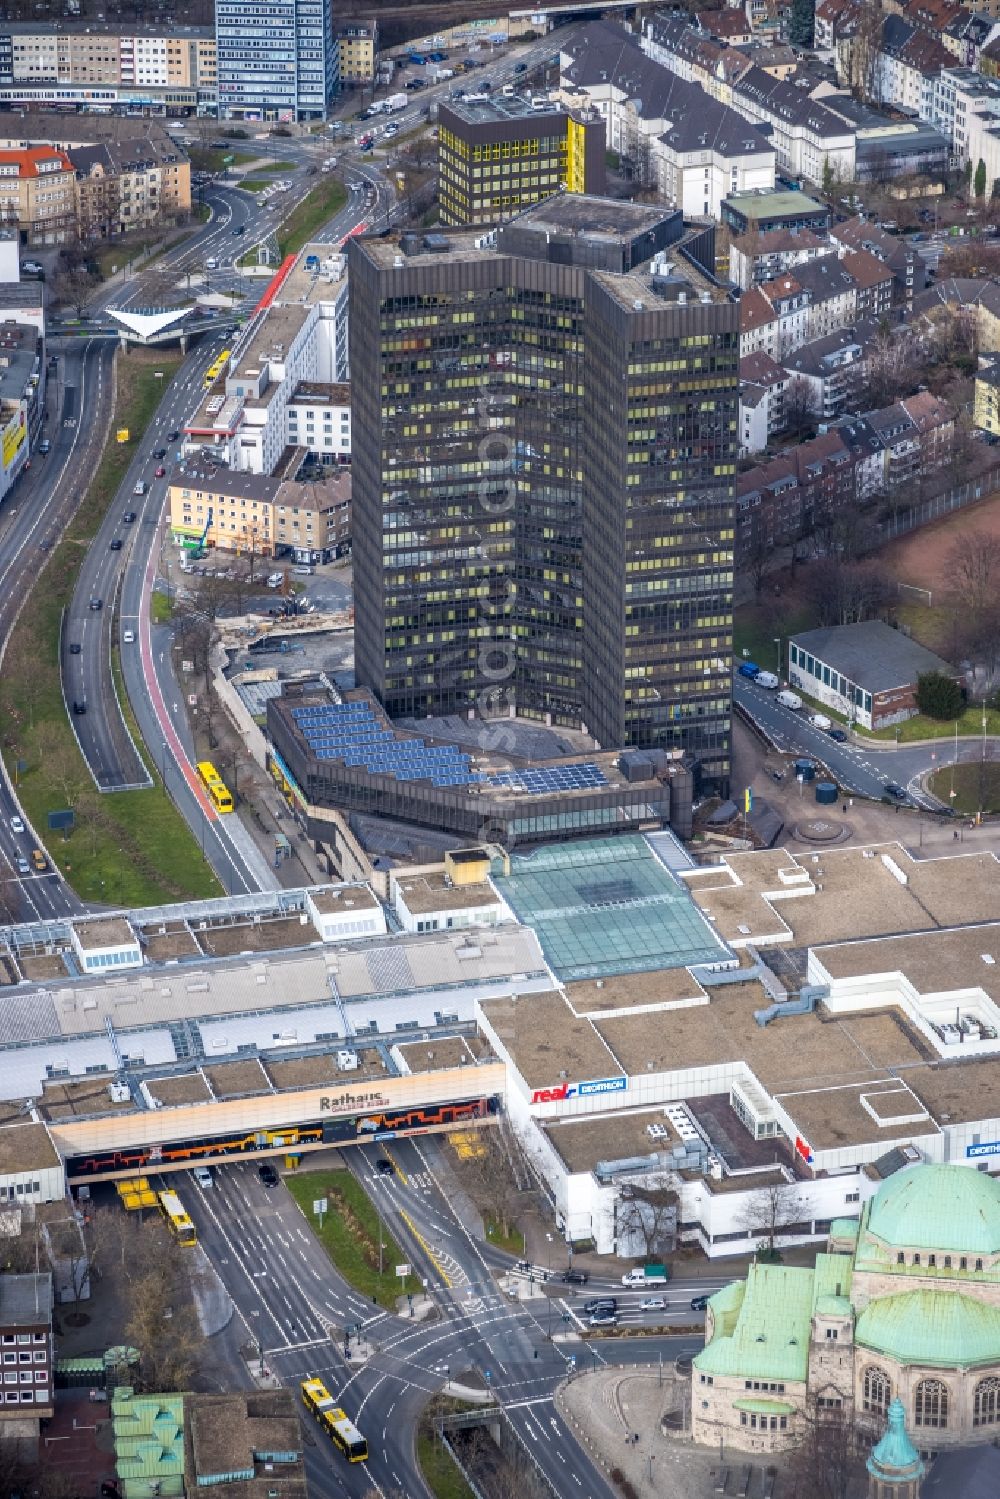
275 59
545 441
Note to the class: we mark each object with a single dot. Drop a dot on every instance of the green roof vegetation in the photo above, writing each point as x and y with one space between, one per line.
769 1338
935 1208
942 1329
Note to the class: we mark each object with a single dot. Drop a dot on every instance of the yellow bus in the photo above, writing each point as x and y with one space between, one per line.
341 1431
178 1222
216 367
222 797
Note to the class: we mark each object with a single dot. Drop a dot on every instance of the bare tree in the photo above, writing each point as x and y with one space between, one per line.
771 1210
829 1461
646 1217
972 563
799 407
489 1178
864 65
162 1323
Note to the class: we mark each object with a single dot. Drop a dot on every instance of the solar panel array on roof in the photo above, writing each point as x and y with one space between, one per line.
351 733
549 778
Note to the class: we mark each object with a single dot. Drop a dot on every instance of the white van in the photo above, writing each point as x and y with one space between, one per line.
212 263
767 679
789 700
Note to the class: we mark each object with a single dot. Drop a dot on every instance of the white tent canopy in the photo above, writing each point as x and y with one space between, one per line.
144 323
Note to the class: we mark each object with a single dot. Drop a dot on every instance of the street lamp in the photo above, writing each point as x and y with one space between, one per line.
777 646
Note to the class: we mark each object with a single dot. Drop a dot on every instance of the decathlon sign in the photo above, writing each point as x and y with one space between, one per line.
579 1090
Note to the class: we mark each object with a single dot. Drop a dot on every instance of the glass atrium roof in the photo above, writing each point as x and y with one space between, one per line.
607 906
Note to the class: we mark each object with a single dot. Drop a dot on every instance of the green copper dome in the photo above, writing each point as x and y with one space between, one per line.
895 1459
938 1207
939 1328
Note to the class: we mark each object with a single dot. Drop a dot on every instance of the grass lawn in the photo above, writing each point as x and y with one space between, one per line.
210 158
755 627
441 1475
130 848
271 168
976 785
914 729
253 184
350 1234
113 256
512 1242
326 198
161 608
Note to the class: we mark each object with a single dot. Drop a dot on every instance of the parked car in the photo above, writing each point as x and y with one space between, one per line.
268 1175
748 669
574 1277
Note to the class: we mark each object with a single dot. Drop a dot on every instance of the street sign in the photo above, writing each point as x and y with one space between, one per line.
122 435
403 1271
228 160
60 821
319 1205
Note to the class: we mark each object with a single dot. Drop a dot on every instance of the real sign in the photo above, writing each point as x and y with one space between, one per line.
804 1149
579 1090
988 1147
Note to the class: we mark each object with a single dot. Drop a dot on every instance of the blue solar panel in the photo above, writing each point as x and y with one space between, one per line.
551 778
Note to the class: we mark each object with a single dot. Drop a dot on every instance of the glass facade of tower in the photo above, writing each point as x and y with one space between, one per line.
543 492
275 60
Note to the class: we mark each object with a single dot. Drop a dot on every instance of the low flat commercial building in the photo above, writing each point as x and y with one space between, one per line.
497 156
776 210
245 1445
319 419
92 63
867 671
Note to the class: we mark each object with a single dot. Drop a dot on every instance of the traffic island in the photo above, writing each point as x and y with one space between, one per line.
354 1235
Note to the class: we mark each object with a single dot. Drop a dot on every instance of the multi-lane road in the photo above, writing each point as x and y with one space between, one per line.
296 1310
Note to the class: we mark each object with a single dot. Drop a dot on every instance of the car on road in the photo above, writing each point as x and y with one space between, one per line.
173 436
699 1303
44 446
574 1277
748 669
16 825
895 790
128 517
79 706
384 1166
652 1304
603 1319
240 229
820 721
75 648
160 471
116 544
268 1175
160 453
600 1304
837 735
32 268
23 867
520 67
202 1176
140 486
128 636
96 604
39 860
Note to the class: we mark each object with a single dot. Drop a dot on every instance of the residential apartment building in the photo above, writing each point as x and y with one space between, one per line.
127 174
545 441
668 133
829 372
761 256
816 298
909 271
357 47
107 65
26 1356
275 59
762 402
256 515
38 194
987 402
497 156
